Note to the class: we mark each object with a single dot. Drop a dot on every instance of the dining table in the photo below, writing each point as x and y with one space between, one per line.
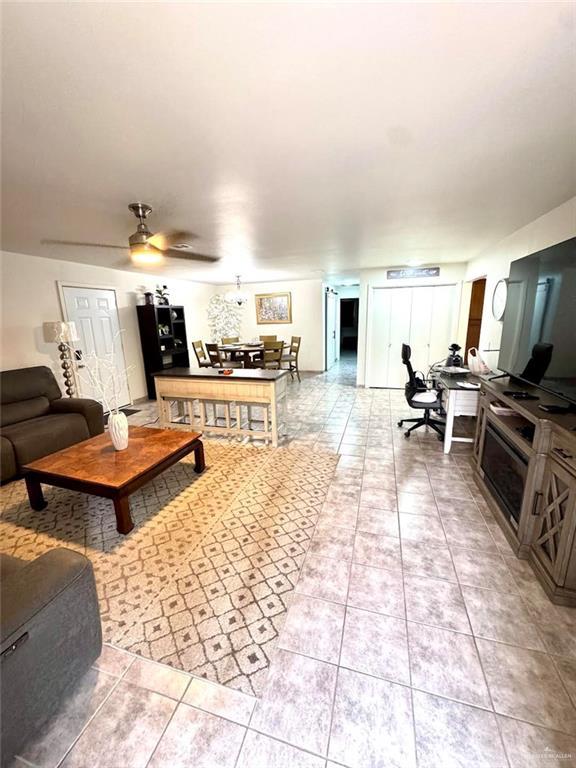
246 352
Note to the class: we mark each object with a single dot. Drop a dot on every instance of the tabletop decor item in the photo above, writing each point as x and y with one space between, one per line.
162 296
118 428
63 334
273 308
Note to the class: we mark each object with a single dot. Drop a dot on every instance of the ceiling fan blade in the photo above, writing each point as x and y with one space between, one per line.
166 240
191 256
47 241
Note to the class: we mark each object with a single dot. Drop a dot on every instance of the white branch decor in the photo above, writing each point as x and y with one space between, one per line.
106 379
224 318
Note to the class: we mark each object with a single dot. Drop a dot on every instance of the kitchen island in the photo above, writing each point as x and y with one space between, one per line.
242 388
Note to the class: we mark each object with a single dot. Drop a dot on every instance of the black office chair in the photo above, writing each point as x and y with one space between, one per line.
418 395
538 364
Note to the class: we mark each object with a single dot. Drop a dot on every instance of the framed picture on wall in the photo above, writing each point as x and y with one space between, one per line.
273 308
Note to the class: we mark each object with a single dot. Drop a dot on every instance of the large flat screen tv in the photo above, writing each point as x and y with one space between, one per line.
541 308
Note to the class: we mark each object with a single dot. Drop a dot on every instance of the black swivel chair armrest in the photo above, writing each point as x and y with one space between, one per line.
91 410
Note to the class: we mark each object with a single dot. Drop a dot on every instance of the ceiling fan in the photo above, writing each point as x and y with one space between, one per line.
147 248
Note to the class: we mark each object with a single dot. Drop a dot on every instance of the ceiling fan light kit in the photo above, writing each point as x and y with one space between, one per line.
148 249
146 255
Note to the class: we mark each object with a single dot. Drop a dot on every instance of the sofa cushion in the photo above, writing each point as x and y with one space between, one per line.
35 438
27 383
23 410
8 467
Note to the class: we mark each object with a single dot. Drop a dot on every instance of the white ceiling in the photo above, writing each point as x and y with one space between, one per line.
292 137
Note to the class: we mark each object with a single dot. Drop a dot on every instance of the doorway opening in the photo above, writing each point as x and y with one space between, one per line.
331 346
342 310
349 326
475 315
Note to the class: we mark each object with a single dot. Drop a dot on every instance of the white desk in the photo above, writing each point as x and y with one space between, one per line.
457 401
251 386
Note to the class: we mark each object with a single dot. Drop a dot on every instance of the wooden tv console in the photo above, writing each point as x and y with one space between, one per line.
545 533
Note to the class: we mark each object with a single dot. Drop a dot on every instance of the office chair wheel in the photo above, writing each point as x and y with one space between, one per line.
440 438
400 423
406 434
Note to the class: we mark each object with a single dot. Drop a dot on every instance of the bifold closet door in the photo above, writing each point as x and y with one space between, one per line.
421 327
389 328
432 324
423 316
444 325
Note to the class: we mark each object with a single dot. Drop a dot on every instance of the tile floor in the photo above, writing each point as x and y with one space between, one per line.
414 637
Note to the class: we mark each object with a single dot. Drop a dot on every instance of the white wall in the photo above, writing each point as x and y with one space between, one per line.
554 227
307 318
449 274
29 297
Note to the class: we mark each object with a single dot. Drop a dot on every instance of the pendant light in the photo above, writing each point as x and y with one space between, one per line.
238 296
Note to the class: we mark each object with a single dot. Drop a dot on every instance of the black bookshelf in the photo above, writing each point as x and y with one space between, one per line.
163 339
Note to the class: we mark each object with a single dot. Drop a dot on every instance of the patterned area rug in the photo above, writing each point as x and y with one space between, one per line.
204 579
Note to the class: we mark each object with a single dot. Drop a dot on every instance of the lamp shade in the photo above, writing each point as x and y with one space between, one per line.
59 332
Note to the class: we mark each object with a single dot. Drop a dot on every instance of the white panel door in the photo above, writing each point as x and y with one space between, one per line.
389 328
95 312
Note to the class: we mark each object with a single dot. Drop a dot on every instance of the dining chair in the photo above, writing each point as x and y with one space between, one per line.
268 338
217 360
292 357
230 340
201 356
272 355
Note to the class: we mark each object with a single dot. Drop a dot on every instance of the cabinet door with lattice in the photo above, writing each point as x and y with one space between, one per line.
557 520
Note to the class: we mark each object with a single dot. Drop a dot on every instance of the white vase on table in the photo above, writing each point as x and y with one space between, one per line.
118 428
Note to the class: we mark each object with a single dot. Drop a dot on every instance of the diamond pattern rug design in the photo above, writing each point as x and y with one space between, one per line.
204 579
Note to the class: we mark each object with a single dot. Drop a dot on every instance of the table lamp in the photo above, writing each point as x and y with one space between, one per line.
63 334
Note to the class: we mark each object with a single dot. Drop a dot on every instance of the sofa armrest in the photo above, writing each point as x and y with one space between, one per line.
91 410
32 588
51 634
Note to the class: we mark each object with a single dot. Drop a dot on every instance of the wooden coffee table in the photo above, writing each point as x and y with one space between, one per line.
95 467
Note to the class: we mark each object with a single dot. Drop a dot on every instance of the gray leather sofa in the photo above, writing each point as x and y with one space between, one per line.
50 635
36 420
